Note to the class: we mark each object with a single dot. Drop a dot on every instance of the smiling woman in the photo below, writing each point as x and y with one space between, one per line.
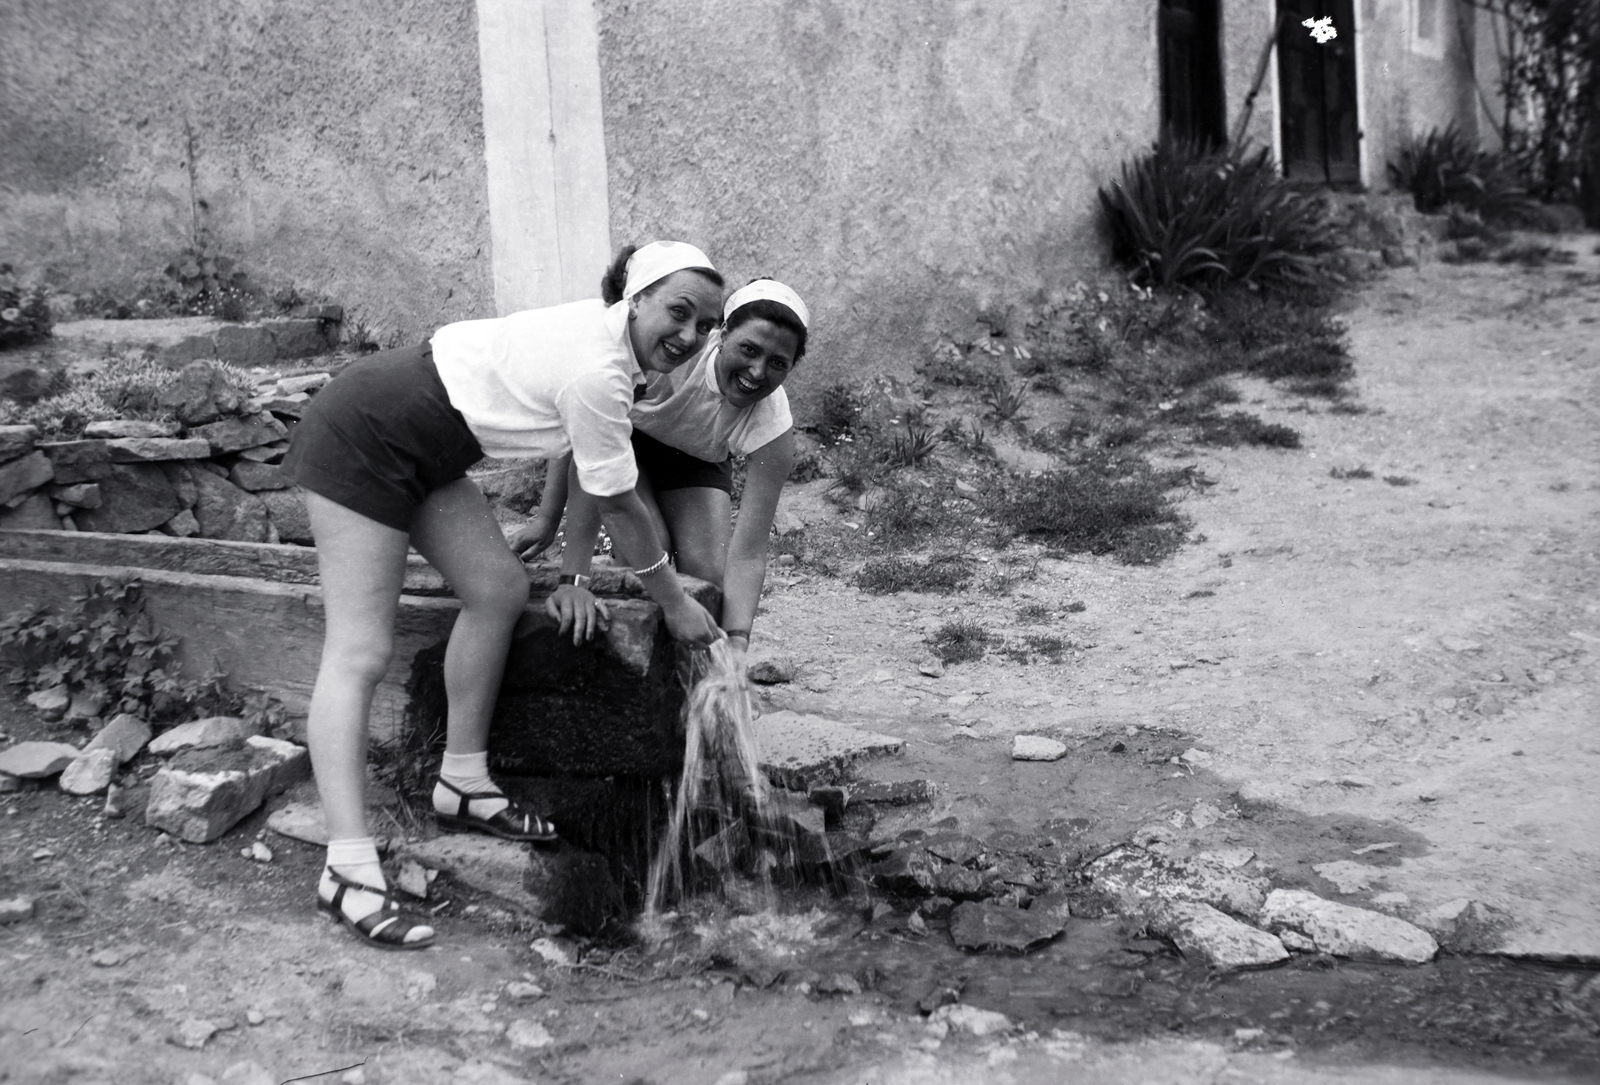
688 426
381 456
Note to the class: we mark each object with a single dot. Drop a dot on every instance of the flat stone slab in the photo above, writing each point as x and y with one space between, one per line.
303 820
984 926
37 760
126 734
1137 882
90 772
1344 931
502 868
1037 748
203 734
1224 943
157 449
800 751
204 793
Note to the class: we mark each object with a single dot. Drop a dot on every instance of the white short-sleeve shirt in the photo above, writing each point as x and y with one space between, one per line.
543 382
686 409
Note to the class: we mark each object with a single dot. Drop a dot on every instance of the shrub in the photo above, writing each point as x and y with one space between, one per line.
1444 168
24 315
910 447
1182 216
1104 504
943 575
961 641
1005 398
128 387
838 413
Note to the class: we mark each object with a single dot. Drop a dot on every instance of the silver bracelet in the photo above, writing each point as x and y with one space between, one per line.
659 564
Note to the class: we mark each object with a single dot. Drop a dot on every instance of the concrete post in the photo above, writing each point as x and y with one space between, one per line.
544 146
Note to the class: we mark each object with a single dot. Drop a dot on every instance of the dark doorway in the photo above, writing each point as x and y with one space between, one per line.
1317 83
1191 71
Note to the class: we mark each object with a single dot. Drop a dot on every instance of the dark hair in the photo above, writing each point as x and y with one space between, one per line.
773 312
616 277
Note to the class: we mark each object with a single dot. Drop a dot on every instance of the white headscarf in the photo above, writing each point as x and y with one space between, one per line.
767 290
653 262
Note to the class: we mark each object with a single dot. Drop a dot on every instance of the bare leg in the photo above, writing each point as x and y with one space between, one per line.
700 519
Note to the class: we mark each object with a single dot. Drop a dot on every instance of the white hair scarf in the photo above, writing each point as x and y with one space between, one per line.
767 290
653 262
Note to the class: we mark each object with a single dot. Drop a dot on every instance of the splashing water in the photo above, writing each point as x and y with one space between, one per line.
719 824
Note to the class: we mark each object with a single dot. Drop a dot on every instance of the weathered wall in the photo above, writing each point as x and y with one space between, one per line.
901 163
1407 90
338 145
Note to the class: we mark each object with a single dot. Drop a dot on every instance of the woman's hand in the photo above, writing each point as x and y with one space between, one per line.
692 623
534 537
578 610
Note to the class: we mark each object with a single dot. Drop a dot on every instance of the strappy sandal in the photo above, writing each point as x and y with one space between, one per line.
385 928
513 823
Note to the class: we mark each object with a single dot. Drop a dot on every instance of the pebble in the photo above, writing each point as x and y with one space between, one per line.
194 1033
933 667
248 1073
971 1020
521 991
41 854
106 958
1460 644
551 952
358 1076
16 910
413 879
254 1017
1037 748
260 852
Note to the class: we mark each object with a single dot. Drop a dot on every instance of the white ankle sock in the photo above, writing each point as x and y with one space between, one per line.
469 772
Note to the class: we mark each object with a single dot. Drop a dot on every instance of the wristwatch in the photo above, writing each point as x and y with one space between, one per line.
577 580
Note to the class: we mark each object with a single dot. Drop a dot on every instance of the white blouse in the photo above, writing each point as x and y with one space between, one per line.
686 409
542 382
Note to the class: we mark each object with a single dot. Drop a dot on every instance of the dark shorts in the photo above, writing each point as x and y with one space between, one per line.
669 469
381 436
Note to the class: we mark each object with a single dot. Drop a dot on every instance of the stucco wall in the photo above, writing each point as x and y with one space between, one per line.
1405 90
338 144
902 163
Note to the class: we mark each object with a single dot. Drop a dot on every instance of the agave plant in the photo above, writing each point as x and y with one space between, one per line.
1444 168
1184 216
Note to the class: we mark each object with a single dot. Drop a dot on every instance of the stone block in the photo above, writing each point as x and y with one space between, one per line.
181 475
202 794
125 736
502 868
1227 945
236 433
16 910
296 338
206 734
984 926
254 477
157 449
37 760
1345 931
245 345
90 772
23 474
36 512
201 394
77 461
799 751
770 668
306 382
1134 882
226 512
182 526
287 511
16 440
81 495
898 793
130 427
135 497
1037 748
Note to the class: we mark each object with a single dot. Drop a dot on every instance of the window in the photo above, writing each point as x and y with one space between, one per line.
1428 28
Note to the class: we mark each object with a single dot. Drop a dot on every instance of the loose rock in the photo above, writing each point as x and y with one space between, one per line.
529 1034
982 925
1223 942
203 794
204 734
1343 931
772 669
200 394
194 1033
520 991
972 1020
260 852
248 1073
51 703
1037 748
1133 881
125 736
413 879
37 760
932 666
89 772
16 910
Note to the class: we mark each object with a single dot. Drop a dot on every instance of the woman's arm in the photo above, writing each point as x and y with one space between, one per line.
746 570
633 532
534 538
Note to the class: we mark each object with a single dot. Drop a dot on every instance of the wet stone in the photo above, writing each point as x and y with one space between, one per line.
1344 931
900 793
1132 881
954 847
984 926
1224 943
908 870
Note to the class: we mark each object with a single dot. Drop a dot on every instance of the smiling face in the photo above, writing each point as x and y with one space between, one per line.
669 322
754 360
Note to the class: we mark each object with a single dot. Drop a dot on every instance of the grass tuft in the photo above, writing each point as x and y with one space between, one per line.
1104 504
940 575
960 641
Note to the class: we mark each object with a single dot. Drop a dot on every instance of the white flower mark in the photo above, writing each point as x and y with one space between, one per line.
1321 29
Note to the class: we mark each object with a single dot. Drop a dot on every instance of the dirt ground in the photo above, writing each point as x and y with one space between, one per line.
1402 659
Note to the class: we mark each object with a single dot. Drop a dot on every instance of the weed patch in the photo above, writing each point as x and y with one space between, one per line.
1240 428
939 575
1349 472
1104 504
961 641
